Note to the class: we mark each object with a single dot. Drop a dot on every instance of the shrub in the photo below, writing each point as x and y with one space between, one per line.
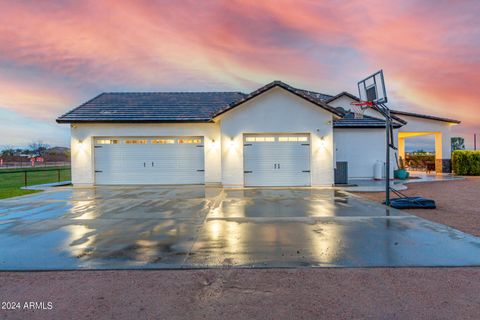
466 162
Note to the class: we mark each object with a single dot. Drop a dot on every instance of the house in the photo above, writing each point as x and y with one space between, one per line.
277 135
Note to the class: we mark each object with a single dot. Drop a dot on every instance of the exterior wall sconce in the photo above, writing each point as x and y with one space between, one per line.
231 143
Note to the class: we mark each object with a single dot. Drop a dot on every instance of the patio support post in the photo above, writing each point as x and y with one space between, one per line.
401 148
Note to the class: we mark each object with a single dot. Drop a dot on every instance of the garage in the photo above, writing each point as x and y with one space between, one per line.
277 160
149 160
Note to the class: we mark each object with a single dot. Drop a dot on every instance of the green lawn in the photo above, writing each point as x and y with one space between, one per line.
11 180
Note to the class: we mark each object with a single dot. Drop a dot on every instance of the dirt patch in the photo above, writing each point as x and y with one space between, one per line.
458 202
418 293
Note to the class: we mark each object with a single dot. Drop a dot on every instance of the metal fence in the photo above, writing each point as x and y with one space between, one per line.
28 164
33 177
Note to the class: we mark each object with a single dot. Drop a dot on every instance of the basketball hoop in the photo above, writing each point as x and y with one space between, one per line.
359 108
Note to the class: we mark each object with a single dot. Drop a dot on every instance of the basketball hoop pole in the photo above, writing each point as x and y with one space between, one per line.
387 156
385 111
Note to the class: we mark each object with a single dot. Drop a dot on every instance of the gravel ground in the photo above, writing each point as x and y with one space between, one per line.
402 293
458 202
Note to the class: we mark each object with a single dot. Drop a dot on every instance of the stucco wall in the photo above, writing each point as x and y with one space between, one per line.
277 111
361 148
342 101
82 144
443 149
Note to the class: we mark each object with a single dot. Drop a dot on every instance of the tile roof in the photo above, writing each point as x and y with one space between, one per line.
204 106
173 106
349 121
317 95
151 107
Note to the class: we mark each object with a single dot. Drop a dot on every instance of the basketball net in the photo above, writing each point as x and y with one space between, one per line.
359 108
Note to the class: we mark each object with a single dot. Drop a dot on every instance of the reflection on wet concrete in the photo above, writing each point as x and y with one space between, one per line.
197 227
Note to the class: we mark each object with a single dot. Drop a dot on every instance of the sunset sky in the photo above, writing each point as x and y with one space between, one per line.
54 55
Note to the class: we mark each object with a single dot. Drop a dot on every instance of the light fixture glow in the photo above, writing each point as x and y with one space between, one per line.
323 141
231 143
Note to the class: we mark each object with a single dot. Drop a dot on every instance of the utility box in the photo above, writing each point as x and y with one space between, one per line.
341 172
379 170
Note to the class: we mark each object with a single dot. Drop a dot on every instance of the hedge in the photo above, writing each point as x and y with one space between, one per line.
466 162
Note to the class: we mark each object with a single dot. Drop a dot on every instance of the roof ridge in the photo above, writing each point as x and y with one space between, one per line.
316 92
172 92
298 92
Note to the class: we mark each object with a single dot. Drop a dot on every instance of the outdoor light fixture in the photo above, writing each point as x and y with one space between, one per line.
80 145
231 143
323 141
213 144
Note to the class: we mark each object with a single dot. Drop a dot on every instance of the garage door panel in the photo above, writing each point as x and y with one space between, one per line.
150 163
277 162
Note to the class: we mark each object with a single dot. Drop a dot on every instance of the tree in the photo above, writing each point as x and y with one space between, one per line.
38 147
458 143
7 151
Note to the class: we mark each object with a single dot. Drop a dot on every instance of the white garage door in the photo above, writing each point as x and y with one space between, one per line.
152 160
277 160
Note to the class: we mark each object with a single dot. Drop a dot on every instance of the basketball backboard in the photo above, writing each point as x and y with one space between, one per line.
372 88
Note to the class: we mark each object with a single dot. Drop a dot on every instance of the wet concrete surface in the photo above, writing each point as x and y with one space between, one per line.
198 227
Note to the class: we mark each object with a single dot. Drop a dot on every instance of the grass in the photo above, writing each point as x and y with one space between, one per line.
15 192
11 180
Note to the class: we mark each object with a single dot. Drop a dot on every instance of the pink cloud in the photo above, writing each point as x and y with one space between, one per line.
429 50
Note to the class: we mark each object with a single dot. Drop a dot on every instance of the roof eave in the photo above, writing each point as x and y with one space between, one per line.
343 93
132 121
425 116
364 127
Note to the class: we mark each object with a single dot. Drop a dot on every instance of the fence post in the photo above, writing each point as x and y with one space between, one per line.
25 177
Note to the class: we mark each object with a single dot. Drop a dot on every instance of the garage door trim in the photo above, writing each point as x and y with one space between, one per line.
278 158
149 160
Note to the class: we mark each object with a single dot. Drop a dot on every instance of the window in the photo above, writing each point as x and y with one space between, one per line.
163 141
189 141
107 141
260 139
136 141
292 139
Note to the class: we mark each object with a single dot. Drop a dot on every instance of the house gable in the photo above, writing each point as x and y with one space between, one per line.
277 110
279 84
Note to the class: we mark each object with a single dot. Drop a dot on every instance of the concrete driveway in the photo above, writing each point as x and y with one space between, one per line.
198 227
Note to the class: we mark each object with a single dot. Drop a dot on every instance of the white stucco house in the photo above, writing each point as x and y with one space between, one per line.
277 135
